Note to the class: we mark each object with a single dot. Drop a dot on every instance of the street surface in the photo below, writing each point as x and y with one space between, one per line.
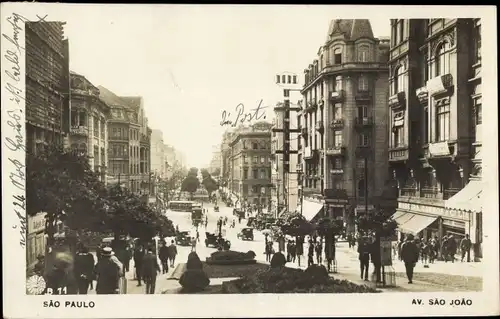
451 274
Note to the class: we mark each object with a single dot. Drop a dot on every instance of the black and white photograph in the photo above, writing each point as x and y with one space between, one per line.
249 150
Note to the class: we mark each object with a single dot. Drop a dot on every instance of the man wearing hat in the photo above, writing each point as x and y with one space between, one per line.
409 254
108 273
84 269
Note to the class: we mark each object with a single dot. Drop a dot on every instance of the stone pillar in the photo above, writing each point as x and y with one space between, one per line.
90 147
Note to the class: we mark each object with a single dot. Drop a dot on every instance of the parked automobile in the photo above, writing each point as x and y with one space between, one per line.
246 234
216 241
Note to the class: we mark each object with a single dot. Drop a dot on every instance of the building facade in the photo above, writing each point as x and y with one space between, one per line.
344 123
89 116
158 159
47 85
225 157
285 190
435 126
215 162
250 162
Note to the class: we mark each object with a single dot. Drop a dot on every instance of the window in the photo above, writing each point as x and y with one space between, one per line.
363 111
425 71
477 42
361 188
442 122
337 56
425 130
360 164
442 62
263 173
479 112
262 159
96 127
254 146
245 160
398 136
338 83
278 78
338 138
74 119
362 84
255 159
245 173
338 111
294 79
114 132
398 81
283 79
363 53
337 163
401 30
255 173
289 79
363 139
103 129
82 118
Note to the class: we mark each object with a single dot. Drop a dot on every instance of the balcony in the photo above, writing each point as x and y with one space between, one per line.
400 153
363 151
320 127
409 192
298 168
336 171
337 96
397 101
431 192
363 96
335 151
79 130
440 85
448 193
304 131
363 122
422 95
337 123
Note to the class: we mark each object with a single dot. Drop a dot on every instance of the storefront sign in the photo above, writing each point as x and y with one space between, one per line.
439 149
36 223
431 210
386 251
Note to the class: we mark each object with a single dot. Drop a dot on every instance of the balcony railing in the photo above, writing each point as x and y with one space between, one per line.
422 95
363 95
397 101
362 122
335 150
448 193
337 123
80 130
337 96
409 191
430 192
337 171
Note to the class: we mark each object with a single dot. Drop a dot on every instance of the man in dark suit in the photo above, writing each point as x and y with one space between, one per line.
138 259
150 269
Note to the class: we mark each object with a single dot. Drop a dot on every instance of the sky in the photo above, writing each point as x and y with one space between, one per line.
190 63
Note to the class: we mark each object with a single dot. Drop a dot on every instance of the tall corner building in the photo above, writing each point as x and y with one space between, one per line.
344 123
435 127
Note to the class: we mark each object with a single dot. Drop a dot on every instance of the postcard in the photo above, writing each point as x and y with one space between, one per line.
248 161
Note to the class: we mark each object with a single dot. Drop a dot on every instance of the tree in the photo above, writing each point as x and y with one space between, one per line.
208 182
191 183
216 172
61 184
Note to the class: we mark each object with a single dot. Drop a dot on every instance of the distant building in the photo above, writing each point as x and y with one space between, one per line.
435 127
89 129
47 85
158 159
215 162
344 123
250 162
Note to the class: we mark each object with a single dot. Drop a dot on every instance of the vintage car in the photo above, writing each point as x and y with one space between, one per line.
216 241
246 233
216 208
183 238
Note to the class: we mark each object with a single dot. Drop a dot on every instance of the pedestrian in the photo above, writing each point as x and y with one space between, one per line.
299 248
163 254
150 269
84 269
400 243
452 247
444 248
268 250
364 257
172 253
465 245
138 257
127 256
193 244
58 278
424 251
432 250
409 254
39 268
288 249
319 247
107 272
310 253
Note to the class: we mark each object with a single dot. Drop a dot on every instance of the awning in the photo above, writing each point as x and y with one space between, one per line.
416 223
468 198
401 217
310 209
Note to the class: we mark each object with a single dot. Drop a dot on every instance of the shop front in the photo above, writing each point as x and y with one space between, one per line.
336 201
36 240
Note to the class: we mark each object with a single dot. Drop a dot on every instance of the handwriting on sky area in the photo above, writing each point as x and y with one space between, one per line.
240 116
14 134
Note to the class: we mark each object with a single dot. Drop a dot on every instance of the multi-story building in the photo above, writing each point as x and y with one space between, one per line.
47 85
215 162
435 126
158 159
284 193
89 116
250 162
225 156
344 123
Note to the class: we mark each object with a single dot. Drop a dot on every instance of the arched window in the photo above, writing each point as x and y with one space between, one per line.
361 188
362 83
363 53
442 59
337 56
398 82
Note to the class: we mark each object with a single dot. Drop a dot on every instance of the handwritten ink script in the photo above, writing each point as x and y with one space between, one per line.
255 114
14 134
